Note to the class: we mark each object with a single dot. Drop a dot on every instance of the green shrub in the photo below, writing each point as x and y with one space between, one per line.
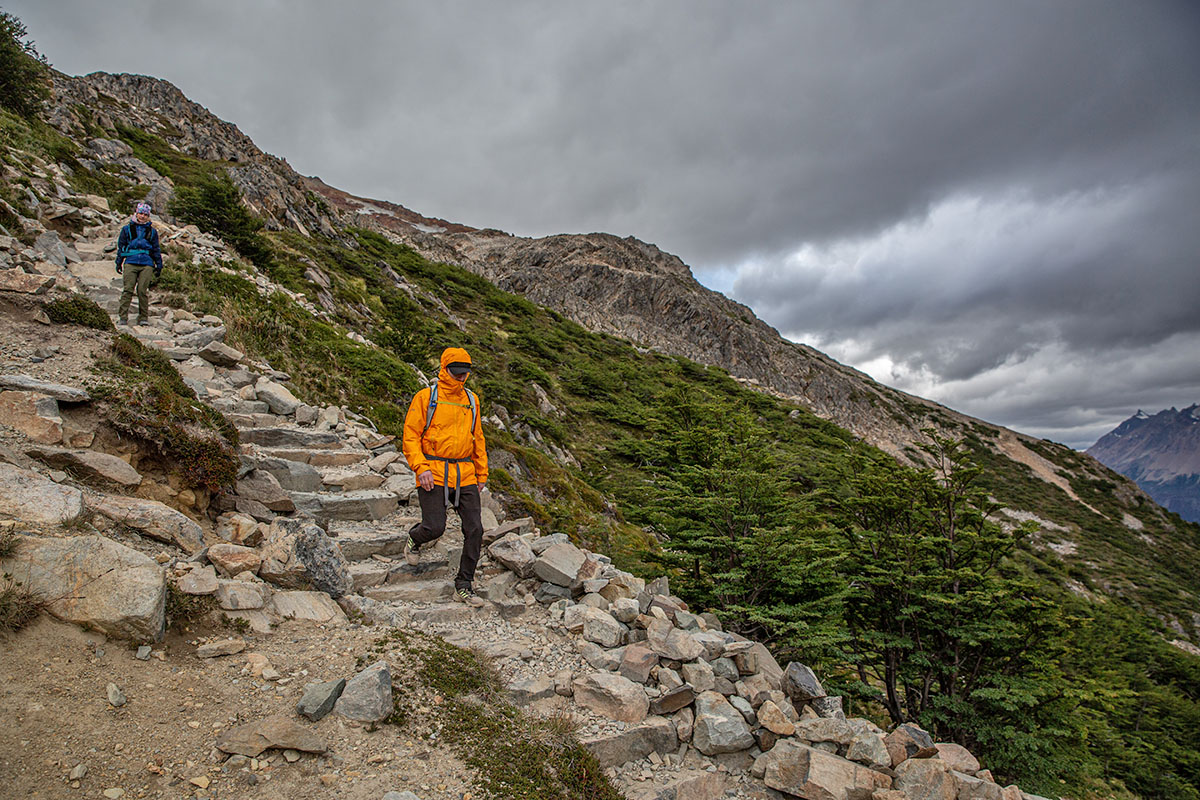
24 73
214 205
78 309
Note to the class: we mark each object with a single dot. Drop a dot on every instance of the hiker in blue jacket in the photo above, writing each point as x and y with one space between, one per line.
137 254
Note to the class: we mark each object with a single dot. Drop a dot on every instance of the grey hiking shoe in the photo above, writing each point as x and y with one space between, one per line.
410 552
469 597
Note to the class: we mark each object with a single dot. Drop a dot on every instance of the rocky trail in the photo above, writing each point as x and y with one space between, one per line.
302 587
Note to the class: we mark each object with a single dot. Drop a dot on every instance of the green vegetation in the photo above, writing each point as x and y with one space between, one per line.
147 399
184 610
78 309
24 73
19 604
213 204
512 755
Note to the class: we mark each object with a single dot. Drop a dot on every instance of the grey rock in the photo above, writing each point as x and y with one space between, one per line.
838 731
276 396
319 698
673 700
199 581
699 674
367 697
143 653
719 728
830 706
801 771
529 690
745 709
514 553
868 748
88 463
202 338
291 437
299 554
612 696
800 683
261 486
405 795
241 595
312 606
225 647
925 779
28 497
94 581
654 735
543 543
25 383
548 593
150 518
601 628
669 642
559 564
116 698
292 476
221 354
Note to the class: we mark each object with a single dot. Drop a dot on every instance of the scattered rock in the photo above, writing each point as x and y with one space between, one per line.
367 697
319 698
226 647
276 731
116 698
796 769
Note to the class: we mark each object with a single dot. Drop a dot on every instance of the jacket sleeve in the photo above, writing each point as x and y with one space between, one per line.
479 456
122 242
156 251
414 427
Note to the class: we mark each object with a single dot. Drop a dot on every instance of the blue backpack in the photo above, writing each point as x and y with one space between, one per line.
139 246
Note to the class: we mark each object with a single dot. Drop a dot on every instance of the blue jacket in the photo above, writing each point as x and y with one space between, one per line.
138 244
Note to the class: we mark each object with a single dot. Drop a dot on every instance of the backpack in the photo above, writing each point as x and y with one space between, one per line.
139 245
433 407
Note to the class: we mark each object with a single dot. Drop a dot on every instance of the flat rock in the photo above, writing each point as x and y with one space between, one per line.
292 476
13 280
25 383
225 647
242 595
367 504
673 700
311 606
202 580
28 497
276 731
261 486
367 696
529 690
669 642
87 463
296 438
96 582
221 354
277 396
926 779
150 518
233 559
514 554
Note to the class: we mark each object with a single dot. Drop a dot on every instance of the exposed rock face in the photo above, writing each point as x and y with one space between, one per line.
29 497
300 555
94 581
151 518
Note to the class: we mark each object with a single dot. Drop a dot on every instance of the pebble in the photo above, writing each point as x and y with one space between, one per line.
143 653
78 772
116 698
114 793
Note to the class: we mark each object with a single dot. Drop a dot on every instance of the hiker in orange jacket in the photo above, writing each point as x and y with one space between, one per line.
444 447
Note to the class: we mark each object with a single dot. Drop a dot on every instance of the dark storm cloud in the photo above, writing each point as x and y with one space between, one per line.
953 195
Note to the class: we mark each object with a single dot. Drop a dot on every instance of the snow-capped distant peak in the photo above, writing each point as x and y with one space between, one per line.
1141 415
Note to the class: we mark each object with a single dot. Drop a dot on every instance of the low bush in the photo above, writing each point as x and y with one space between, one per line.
78 309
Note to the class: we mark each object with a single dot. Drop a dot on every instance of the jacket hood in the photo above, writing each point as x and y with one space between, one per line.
447 383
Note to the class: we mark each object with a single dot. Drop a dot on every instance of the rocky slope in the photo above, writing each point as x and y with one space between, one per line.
667 703
1161 452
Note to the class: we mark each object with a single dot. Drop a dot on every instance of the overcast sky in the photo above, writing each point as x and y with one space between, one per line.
995 205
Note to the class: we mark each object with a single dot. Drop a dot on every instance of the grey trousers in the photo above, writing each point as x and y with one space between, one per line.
433 525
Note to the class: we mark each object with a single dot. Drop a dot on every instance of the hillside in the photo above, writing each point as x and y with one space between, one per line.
584 402
1161 452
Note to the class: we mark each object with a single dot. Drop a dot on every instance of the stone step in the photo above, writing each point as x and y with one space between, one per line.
293 475
432 590
295 439
359 542
368 504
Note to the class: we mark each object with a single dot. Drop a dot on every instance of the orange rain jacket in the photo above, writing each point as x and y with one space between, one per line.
450 434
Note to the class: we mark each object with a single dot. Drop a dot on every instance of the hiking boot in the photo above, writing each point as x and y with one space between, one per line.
410 552
468 596
124 323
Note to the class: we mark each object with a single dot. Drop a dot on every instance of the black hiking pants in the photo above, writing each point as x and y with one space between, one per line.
433 525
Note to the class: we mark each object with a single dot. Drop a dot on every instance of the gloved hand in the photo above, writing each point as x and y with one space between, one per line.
120 269
157 272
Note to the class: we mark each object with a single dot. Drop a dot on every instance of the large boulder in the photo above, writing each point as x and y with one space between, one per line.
802 771
149 518
719 727
612 696
33 414
600 627
926 779
654 735
95 582
299 555
909 741
560 564
28 497
800 683
276 396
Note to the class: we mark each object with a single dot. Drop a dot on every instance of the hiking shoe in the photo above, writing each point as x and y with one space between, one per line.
410 552
469 597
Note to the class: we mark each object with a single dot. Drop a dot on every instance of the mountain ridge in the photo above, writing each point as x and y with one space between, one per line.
1161 453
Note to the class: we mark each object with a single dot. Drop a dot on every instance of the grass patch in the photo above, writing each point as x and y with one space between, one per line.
513 755
185 609
149 401
19 604
78 309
